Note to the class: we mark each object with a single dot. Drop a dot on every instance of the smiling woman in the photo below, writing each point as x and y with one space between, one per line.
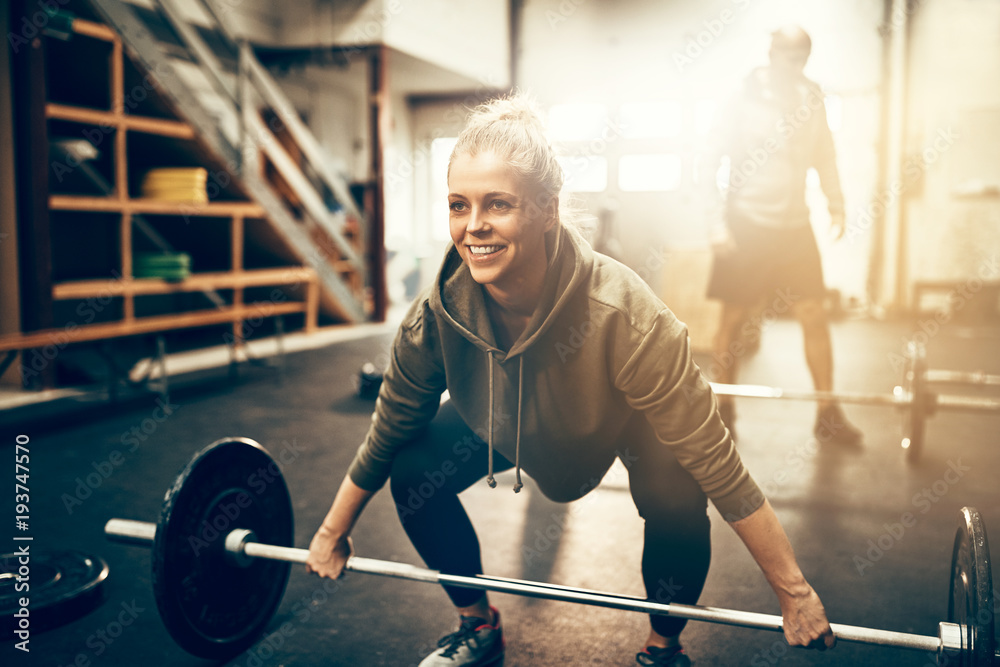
504 184
515 288
500 235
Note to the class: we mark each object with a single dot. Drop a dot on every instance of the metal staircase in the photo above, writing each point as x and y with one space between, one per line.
312 209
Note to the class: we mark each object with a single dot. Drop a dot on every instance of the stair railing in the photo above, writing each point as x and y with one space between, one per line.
251 84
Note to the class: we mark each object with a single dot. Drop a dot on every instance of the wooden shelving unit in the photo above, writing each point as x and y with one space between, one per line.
112 128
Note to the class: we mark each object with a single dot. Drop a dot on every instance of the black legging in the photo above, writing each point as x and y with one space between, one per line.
447 458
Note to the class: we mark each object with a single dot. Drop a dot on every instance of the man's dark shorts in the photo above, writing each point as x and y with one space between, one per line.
765 261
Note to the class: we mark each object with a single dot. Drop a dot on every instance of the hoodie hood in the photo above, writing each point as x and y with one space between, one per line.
460 301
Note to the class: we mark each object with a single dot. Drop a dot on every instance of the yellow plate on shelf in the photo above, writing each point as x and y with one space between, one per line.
183 172
183 196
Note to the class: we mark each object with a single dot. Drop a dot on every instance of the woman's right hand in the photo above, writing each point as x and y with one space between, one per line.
328 554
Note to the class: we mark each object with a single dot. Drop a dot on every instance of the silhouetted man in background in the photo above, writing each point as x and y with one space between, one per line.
766 253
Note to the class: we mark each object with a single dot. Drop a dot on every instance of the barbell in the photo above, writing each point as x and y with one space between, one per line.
222 549
913 396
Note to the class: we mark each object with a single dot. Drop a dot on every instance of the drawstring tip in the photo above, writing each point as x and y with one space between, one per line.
492 482
517 487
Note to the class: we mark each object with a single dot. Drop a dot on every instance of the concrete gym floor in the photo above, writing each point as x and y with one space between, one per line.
834 503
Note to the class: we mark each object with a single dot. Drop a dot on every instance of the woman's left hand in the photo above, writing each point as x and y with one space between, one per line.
804 620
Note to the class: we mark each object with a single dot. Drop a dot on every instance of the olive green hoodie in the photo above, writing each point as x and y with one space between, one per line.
602 362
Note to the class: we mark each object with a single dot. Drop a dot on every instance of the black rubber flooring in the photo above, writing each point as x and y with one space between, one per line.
835 504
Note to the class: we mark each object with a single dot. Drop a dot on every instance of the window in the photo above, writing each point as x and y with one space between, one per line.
704 116
585 173
649 173
648 120
441 149
577 122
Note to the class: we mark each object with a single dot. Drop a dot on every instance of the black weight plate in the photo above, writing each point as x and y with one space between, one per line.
212 607
970 596
62 586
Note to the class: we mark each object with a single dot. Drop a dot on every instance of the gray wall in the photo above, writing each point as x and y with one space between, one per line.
952 196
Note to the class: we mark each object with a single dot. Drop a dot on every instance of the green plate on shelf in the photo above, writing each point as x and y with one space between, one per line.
166 266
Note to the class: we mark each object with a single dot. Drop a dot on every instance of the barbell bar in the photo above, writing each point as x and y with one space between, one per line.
897 400
217 585
974 378
240 546
913 396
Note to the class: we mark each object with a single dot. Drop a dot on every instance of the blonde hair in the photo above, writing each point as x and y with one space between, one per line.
511 127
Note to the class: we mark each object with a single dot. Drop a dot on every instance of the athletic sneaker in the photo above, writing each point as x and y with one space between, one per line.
476 642
832 426
655 656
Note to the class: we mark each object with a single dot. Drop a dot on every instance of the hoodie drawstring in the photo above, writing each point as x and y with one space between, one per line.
489 475
517 446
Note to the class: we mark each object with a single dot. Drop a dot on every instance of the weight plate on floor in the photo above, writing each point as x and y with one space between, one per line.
970 597
62 586
211 606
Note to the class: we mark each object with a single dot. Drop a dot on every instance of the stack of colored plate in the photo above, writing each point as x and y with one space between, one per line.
177 184
165 265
